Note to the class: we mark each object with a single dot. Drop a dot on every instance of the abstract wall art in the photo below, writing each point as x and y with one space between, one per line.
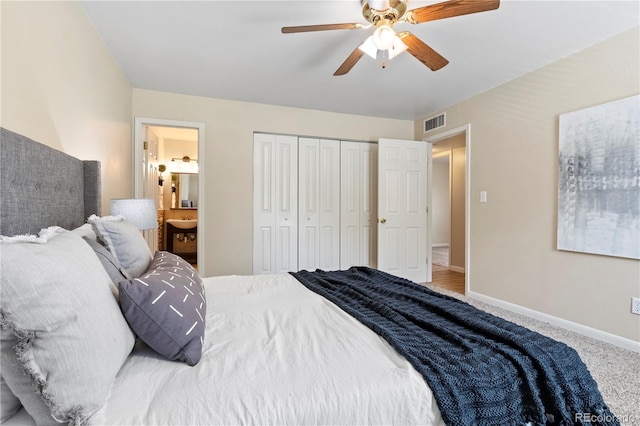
599 179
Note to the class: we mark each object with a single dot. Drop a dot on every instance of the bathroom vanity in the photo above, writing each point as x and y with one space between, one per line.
182 238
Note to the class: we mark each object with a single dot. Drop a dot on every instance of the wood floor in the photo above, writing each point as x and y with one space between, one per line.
449 280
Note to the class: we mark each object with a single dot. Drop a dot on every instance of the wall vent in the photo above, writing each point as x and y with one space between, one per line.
435 122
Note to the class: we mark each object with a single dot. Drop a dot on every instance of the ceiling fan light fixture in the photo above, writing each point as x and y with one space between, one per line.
369 47
379 4
384 37
397 48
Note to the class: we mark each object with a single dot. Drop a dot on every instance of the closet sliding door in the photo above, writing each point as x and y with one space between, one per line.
318 204
358 194
314 204
275 203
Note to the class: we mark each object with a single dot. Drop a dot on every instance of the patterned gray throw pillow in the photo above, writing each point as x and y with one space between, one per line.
166 308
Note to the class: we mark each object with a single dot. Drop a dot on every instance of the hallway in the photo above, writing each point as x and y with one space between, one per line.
449 280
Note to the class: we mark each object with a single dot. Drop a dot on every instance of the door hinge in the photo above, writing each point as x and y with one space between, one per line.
145 145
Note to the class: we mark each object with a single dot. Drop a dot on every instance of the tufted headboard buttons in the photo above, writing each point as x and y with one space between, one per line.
41 186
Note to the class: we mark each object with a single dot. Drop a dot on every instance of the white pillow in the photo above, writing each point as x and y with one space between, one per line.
9 403
19 384
124 241
85 230
71 336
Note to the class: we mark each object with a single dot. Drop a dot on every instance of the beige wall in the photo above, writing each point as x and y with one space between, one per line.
458 193
513 155
61 87
440 202
228 159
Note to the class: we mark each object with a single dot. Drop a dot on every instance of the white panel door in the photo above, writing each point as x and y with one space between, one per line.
359 203
308 208
329 203
368 204
402 209
286 193
319 204
264 199
150 181
350 204
275 204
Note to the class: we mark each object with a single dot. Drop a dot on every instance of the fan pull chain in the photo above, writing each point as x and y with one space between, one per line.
385 57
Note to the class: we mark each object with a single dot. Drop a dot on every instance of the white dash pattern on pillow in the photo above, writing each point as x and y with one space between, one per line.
166 308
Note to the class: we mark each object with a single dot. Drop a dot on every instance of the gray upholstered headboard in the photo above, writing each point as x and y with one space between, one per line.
40 186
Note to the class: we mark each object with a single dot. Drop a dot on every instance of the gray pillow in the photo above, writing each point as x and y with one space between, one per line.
166 308
19 383
71 336
85 230
124 241
116 272
9 403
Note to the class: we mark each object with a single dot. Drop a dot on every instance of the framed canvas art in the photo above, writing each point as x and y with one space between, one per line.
599 179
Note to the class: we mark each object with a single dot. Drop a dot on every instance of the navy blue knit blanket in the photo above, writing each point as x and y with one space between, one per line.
482 370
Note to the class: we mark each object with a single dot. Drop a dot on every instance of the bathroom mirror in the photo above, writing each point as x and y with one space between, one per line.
184 190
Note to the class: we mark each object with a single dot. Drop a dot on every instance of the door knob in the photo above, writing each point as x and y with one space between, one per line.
383 220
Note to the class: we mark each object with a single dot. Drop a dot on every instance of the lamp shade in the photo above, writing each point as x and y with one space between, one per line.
139 211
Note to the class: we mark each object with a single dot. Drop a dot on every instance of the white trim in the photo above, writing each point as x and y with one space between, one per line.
456 269
139 122
466 129
429 212
584 330
440 245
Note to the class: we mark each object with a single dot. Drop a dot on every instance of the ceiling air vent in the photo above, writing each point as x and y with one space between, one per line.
435 122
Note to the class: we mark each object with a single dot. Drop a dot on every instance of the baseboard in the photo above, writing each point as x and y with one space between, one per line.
440 245
594 333
456 269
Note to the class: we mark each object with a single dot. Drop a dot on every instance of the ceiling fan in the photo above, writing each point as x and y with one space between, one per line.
384 14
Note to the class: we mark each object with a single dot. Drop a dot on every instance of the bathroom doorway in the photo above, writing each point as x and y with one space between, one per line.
167 158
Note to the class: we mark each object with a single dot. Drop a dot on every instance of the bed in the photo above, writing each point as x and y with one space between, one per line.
95 331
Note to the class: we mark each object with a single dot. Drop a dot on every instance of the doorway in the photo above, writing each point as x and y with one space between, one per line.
451 151
441 206
166 169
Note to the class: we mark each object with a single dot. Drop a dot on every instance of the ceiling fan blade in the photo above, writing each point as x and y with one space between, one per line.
324 27
449 9
422 52
349 62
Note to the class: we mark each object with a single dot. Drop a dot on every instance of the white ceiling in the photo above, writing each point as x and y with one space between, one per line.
235 50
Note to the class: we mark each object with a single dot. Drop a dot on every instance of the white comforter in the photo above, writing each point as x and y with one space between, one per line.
275 353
